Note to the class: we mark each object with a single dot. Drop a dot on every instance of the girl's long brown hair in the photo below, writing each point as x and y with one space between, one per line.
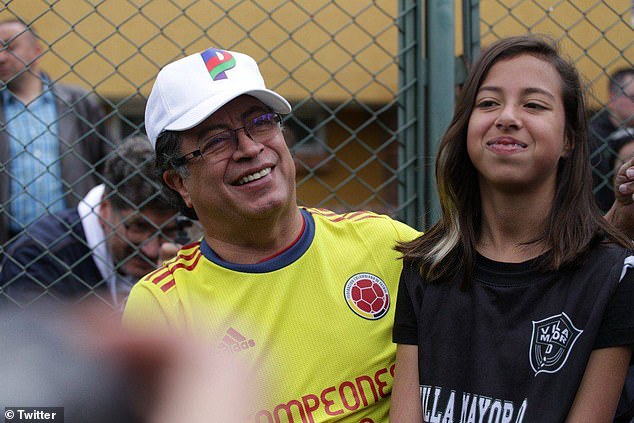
575 223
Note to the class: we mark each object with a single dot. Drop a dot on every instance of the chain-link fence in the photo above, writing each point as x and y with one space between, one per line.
354 71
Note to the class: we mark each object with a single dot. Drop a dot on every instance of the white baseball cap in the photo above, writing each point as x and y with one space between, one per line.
189 90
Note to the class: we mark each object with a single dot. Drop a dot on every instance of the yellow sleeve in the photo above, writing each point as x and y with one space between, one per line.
143 311
404 232
154 303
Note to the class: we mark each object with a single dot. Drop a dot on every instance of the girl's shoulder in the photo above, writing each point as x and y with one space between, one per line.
607 251
606 261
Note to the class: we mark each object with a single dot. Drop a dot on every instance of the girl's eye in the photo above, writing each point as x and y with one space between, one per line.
483 104
536 106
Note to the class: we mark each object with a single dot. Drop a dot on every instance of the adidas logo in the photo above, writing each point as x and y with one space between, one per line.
234 341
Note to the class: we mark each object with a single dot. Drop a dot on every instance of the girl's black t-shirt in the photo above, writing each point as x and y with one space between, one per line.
514 344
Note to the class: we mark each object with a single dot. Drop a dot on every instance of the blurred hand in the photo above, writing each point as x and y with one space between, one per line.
621 214
167 251
172 378
624 183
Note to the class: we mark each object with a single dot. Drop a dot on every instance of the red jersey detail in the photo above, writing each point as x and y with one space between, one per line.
198 255
167 271
290 246
189 257
336 217
168 285
368 216
159 278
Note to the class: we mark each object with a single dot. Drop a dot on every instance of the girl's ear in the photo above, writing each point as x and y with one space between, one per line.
568 146
175 181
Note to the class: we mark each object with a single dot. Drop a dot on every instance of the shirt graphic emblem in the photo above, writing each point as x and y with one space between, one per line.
217 62
234 341
551 342
367 296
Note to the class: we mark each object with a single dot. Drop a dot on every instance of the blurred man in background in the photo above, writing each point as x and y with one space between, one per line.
618 114
53 139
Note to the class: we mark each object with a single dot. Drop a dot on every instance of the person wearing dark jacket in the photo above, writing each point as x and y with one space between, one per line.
102 246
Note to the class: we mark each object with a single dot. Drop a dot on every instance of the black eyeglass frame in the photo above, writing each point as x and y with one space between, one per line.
151 229
182 160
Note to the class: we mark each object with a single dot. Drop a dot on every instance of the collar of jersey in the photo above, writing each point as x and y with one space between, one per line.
286 258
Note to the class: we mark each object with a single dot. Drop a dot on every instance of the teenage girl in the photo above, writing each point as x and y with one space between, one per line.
516 305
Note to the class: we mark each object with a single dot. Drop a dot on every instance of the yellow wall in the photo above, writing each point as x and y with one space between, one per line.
132 39
131 43
596 35
306 48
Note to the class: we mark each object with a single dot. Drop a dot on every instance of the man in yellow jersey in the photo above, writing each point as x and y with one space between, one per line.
304 296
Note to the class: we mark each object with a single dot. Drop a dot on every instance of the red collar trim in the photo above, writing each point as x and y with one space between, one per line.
290 246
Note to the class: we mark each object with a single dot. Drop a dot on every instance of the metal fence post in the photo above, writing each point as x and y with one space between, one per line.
471 29
410 113
440 47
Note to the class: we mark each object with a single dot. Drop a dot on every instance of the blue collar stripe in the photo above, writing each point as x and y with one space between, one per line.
286 258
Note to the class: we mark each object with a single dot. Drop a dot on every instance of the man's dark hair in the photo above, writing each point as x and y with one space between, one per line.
130 177
168 149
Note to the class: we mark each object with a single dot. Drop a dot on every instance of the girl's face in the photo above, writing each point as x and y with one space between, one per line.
516 132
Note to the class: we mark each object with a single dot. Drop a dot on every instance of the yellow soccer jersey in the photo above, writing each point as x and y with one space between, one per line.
315 322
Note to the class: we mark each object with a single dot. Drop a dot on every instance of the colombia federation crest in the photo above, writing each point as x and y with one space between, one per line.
367 296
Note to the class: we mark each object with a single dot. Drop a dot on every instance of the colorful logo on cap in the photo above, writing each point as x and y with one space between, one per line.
367 295
218 62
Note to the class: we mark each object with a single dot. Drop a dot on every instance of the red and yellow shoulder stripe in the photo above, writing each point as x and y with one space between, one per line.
338 217
186 259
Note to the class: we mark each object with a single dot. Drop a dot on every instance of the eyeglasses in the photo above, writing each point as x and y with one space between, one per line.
138 229
223 144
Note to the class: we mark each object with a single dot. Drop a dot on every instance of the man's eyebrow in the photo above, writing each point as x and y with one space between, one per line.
252 110
207 128
243 116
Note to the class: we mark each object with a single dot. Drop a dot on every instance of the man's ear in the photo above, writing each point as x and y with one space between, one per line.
105 212
176 182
